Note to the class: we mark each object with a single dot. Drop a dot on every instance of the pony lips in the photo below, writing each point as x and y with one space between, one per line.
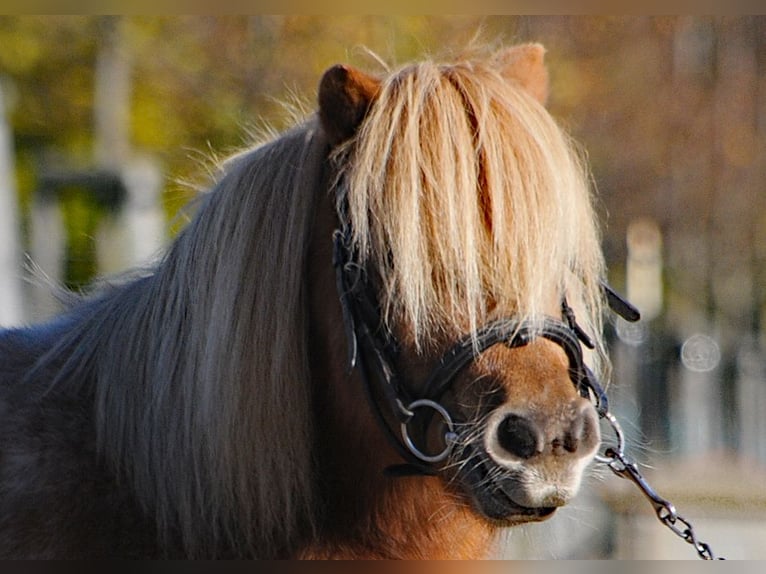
494 497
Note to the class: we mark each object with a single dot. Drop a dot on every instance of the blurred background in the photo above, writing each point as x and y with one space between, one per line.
107 125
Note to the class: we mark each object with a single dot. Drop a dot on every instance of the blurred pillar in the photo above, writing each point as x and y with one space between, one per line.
47 250
136 233
644 267
697 411
751 401
11 292
646 341
111 98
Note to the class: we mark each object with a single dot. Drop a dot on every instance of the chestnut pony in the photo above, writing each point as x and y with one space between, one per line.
362 346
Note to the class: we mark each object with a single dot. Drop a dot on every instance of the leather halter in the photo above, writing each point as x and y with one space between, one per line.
373 349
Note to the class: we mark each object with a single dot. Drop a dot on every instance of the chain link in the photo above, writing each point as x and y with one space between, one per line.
624 467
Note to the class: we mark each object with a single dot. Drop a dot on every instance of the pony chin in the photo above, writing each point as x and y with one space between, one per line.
492 497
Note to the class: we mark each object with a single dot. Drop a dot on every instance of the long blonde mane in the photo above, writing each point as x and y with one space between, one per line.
200 370
471 202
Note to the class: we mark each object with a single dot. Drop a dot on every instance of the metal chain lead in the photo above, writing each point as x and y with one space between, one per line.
621 465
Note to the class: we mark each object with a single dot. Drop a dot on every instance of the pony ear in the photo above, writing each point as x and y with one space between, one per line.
345 95
524 64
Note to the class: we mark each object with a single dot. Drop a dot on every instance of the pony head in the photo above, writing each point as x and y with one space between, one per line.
465 205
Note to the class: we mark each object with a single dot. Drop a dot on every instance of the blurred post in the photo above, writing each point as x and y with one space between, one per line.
135 232
644 267
111 98
134 235
11 293
751 399
643 355
47 251
697 407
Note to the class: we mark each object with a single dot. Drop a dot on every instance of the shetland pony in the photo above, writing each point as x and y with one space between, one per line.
223 404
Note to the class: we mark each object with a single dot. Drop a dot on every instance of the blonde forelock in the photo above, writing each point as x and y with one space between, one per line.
469 201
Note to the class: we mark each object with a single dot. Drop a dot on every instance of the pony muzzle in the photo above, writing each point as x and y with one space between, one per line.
540 460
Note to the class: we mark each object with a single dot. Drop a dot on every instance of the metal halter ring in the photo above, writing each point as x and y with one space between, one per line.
620 448
449 436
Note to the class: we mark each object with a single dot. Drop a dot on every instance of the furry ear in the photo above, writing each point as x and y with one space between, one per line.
524 64
345 95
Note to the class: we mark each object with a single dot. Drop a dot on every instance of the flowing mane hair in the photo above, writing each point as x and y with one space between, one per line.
467 198
201 373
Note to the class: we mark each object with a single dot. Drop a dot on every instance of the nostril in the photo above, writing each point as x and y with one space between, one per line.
583 430
574 434
519 436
